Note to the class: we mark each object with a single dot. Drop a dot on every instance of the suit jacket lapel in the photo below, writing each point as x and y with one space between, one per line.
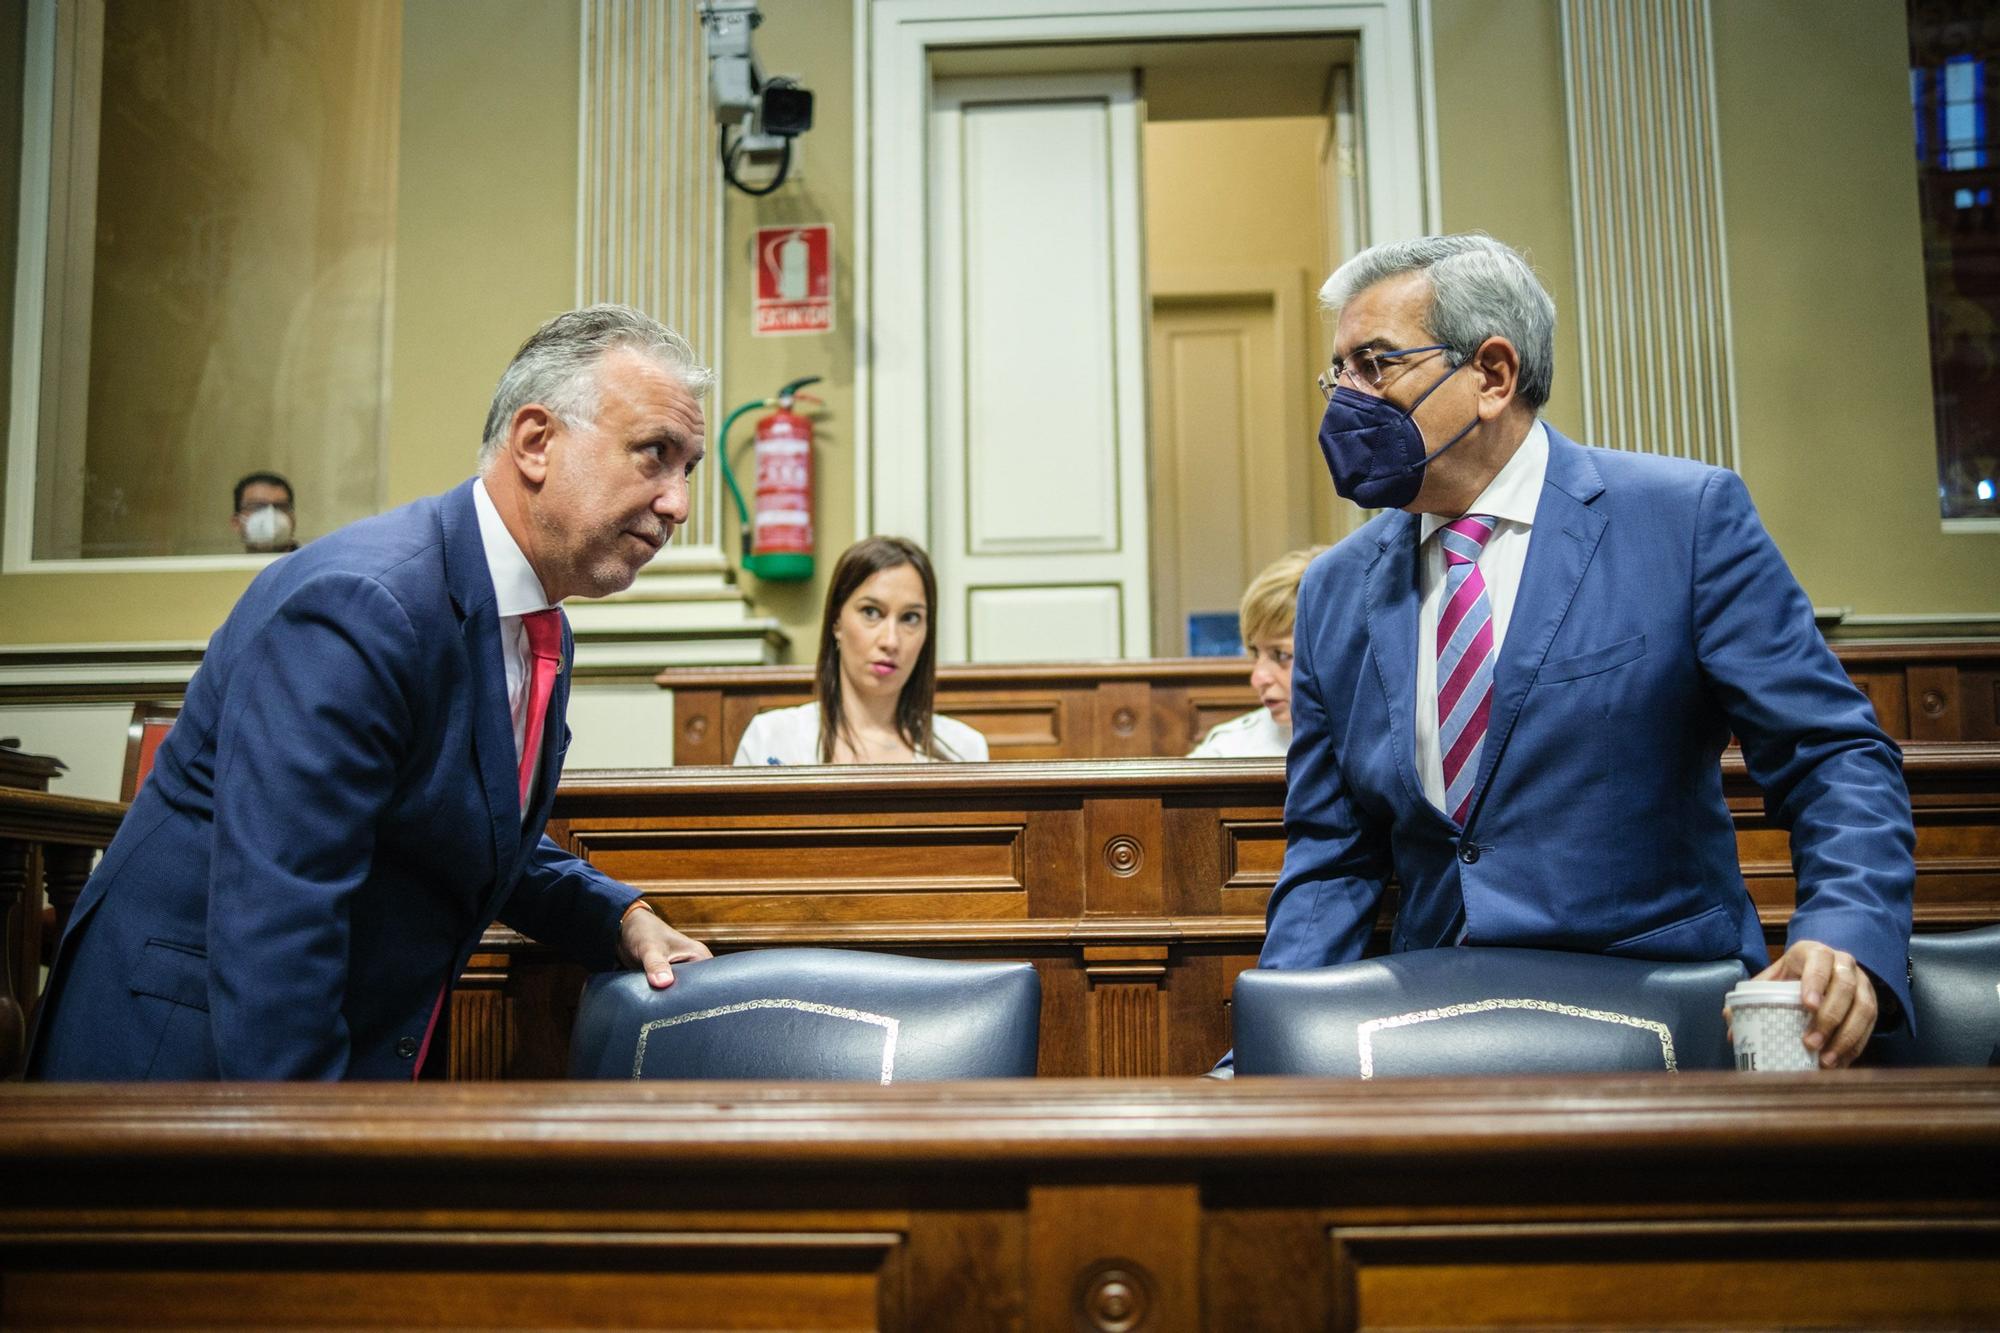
471 585
1565 538
1394 593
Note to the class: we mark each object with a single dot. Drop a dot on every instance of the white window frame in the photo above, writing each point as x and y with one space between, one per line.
31 297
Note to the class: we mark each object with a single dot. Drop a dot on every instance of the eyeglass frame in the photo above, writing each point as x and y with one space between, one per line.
1329 379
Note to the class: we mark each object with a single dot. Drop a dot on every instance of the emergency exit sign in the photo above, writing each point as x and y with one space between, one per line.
794 280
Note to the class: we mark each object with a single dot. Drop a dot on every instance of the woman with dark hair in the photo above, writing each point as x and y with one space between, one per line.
877 675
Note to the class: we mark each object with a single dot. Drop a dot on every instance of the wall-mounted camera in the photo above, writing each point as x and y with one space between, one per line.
759 117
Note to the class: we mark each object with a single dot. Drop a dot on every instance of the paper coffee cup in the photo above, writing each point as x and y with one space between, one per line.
1768 1021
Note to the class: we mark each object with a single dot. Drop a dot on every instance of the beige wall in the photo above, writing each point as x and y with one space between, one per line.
486 218
1824 264
1511 179
1825 257
1243 195
1238 193
813 40
1825 272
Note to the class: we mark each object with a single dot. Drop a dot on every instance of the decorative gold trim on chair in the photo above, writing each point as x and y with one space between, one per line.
883 1021
1364 1032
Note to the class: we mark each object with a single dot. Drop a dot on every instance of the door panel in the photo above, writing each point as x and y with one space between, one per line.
1230 492
1038 369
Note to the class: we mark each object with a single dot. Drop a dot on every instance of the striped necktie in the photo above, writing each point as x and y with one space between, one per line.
1465 660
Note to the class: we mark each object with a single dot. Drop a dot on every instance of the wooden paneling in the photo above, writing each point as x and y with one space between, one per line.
47 845
1862 1199
1946 690
1137 887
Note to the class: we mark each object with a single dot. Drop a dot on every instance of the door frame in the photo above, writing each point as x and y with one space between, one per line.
894 43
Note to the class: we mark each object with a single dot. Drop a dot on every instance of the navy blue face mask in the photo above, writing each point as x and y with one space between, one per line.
1374 449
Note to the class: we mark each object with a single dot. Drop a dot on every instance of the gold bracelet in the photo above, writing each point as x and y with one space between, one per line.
637 904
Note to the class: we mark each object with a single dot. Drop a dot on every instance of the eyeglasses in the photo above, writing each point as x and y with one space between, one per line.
1364 369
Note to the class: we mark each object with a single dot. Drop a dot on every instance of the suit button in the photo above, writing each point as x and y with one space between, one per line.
1468 852
407 1047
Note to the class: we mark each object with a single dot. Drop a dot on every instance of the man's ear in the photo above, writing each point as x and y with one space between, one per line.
1496 369
529 435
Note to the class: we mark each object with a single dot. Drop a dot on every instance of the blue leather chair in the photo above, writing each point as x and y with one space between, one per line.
1955 993
1484 1011
823 1014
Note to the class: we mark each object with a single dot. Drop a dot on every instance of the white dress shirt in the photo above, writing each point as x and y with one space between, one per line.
517 590
1511 498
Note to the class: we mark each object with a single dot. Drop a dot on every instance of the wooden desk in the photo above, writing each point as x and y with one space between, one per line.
1864 1199
1929 690
1136 887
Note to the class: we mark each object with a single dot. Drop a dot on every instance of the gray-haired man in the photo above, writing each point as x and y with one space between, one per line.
358 783
1513 688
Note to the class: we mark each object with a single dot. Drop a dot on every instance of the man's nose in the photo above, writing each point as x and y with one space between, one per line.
672 501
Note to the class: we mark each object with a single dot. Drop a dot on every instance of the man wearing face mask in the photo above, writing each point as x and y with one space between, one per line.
263 517
1513 688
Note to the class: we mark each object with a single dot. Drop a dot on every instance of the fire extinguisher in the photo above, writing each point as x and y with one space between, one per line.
778 541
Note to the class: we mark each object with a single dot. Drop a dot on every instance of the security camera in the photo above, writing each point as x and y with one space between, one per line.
784 109
766 113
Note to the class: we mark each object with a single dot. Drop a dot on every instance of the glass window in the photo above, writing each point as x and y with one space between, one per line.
221 208
1951 58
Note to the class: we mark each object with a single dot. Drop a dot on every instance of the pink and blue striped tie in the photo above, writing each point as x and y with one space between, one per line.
1465 660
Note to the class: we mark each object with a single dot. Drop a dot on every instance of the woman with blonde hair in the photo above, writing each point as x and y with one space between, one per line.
876 680
1265 618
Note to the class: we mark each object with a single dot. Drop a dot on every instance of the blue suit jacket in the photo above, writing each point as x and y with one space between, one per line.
329 826
1655 617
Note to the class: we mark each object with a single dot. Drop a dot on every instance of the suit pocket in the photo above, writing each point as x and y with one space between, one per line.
1594 662
170 971
1700 938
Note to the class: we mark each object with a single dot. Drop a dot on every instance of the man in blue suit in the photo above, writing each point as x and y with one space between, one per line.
358 783
1512 690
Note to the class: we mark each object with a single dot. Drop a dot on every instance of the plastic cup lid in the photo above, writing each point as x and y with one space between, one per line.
1764 992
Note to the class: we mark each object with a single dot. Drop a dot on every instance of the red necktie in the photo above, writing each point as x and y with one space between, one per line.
544 660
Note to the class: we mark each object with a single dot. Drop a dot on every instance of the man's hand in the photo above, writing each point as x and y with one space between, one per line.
1837 992
651 945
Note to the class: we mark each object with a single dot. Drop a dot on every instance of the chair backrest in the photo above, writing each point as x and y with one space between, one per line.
151 720
1955 993
824 1014
1484 1011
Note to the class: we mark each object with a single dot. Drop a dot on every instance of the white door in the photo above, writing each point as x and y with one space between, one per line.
1038 382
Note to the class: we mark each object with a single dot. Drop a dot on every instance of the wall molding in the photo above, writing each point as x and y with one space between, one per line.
649 234
1653 321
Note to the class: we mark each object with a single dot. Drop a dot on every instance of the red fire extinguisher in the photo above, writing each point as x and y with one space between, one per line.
778 541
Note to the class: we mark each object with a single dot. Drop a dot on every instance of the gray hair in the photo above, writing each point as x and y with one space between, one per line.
557 367
1480 289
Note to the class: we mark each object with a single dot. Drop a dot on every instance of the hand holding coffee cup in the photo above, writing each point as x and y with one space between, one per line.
1835 1008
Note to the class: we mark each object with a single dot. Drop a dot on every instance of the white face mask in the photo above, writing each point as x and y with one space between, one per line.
267 528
